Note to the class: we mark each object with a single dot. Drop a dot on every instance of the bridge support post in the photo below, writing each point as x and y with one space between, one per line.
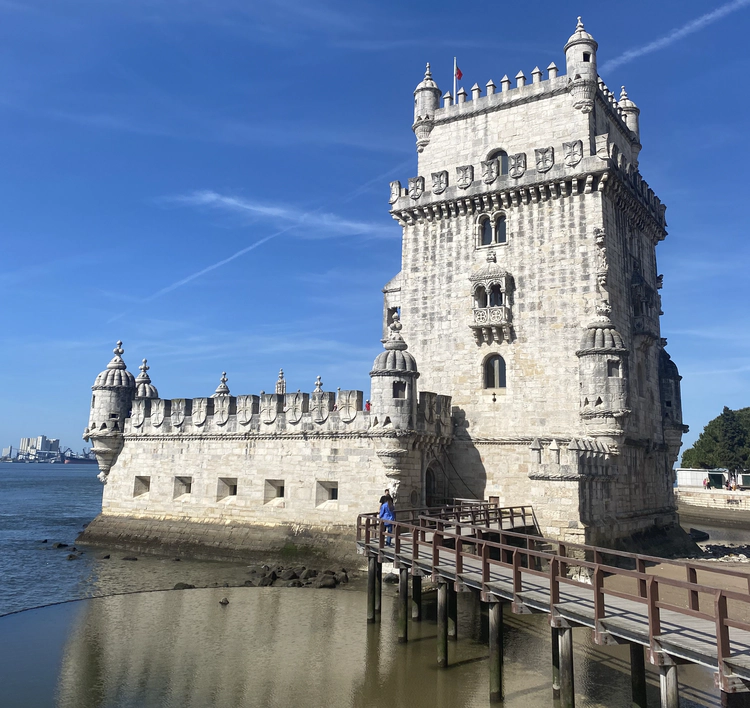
735 700
403 605
567 685
442 624
372 573
452 613
555 663
638 675
670 695
378 588
416 598
496 652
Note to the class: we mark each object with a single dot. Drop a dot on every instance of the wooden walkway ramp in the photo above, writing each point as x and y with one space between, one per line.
490 550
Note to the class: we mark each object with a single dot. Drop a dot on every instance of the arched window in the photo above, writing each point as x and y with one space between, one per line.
480 297
496 296
494 372
487 232
501 234
502 157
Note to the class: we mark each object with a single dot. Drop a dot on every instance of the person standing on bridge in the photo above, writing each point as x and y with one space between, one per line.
386 514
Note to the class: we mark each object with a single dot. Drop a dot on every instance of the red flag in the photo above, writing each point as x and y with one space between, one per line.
459 74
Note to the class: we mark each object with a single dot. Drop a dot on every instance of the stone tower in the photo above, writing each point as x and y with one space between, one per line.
529 293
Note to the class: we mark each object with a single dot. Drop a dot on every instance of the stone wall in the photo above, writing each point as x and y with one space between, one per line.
713 499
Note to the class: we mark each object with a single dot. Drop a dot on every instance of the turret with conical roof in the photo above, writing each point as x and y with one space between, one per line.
580 62
114 390
426 102
393 388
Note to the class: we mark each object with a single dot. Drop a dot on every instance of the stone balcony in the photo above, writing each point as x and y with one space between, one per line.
491 324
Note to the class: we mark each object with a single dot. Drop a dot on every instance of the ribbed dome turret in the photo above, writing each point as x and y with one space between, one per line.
625 100
116 374
580 36
427 82
601 335
395 359
143 386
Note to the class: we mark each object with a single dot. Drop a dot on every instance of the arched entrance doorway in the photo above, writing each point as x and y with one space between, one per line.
433 486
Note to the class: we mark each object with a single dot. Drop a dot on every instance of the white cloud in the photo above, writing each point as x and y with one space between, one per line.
676 34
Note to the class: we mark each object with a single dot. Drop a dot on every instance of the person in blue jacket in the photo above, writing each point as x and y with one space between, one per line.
386 513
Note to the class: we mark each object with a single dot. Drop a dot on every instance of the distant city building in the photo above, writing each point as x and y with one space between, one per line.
7 452
39 448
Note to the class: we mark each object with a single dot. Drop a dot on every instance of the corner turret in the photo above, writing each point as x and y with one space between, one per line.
114 391
426 102
143 386
630 113
393 388
580 62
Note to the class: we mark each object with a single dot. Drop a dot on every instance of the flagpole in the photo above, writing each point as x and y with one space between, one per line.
455 100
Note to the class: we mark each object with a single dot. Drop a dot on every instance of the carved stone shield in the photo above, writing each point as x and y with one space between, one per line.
416 187
294 407
179 411
157 412
517 165
545 159
573 152
347 406
439 182
221 409
465 176
395 192
245 406
444 409
138 414
319 406
268 408
200 410
490 170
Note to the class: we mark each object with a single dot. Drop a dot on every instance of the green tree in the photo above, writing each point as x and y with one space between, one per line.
724 442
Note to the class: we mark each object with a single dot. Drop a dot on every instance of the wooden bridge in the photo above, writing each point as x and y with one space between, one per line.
497 553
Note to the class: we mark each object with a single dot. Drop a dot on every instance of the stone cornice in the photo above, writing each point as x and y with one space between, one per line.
366 436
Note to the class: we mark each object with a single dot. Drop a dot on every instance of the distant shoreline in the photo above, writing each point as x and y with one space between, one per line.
737 518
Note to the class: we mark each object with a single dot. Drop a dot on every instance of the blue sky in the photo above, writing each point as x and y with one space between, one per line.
144 143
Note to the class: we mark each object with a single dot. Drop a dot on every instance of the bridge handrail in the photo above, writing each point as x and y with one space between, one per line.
515 557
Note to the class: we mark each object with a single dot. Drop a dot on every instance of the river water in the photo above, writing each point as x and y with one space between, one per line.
267 647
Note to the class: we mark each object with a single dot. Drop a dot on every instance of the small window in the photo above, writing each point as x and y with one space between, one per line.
487 233
480 297
502 157
274 492
399 389
93 401
182 485
494 372
501 233
326 492
226 488
586 57
669 404
113 416
142 486
613 368
496 296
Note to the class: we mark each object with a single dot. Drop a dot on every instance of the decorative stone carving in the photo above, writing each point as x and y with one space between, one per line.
246 406
221 409
179 411
439 181
416 187
545 159
517 165
490 170
602 264
269 407
582 92
603 146
281 384
200 410
395 192
392 458
157 412
465 176
349 402
296 405
422 128
138 414
491 322
573 152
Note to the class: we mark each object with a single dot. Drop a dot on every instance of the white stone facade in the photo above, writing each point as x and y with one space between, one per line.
529 297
